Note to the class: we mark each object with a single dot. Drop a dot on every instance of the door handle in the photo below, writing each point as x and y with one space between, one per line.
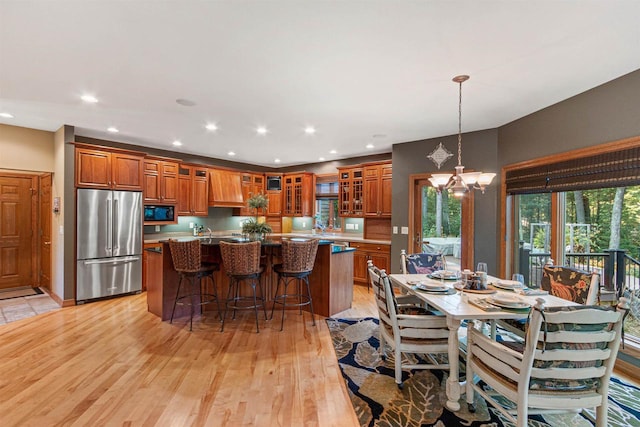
47 243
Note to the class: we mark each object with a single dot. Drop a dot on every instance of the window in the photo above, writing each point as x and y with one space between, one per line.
581 209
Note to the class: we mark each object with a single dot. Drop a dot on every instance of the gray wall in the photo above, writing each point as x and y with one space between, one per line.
479 152
603 114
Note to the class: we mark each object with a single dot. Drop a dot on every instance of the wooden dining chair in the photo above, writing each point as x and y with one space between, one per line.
404 299
571 284
564 282
416 339
422 263
564 364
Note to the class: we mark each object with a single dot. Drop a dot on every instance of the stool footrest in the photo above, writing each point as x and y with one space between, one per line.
282 299
212 299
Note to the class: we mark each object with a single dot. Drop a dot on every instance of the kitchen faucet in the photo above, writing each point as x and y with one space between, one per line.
320 226
210 231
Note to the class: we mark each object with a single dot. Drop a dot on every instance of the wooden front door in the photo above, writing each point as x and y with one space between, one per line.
17 195
45 231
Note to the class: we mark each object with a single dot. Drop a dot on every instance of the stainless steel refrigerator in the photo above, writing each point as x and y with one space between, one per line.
109 243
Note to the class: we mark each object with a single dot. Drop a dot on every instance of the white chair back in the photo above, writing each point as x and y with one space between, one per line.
566 362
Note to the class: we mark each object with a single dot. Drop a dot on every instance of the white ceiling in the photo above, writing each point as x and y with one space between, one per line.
360 72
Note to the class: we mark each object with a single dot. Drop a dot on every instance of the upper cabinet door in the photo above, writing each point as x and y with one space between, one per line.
93 168
126 171
377 190
169 182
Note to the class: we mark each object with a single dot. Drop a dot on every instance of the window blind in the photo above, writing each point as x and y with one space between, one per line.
611 169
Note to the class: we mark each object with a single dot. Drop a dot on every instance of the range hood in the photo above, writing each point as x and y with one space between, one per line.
225 189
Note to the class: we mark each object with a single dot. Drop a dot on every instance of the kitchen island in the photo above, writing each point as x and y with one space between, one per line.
331 280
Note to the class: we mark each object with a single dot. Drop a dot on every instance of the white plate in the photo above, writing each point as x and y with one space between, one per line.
508 284
444 274
508 303
432 288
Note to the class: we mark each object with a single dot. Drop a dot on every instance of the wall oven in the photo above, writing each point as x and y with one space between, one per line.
274 182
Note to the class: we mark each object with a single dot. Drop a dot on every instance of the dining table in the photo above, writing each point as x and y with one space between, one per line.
466 305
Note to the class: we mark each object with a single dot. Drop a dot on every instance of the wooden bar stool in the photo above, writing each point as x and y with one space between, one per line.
242 264
298 259
187 261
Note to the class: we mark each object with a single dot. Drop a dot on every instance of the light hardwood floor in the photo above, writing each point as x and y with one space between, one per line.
113 363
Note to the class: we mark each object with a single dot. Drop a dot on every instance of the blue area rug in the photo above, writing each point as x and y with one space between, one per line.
378 401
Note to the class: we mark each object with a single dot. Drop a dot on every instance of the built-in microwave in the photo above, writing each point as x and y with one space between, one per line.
156 213
274 182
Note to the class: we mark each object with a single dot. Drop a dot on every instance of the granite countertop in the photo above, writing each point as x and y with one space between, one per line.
228 235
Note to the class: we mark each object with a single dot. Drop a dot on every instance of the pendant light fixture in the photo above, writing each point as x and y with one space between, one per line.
460 182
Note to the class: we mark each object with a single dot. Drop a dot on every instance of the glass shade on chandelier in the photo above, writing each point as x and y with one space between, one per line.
461 182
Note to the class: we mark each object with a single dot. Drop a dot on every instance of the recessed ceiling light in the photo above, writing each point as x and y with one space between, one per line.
333 152
261 130
112 129
6 115
309 130
370 146
321 159
185 102
231 153
177 143
89 98
211 126
277 161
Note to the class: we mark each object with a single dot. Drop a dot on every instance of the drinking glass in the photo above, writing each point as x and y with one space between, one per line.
482 266
518 278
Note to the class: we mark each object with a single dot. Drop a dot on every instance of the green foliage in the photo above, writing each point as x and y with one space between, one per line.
451 214
258 201
598 204
251 226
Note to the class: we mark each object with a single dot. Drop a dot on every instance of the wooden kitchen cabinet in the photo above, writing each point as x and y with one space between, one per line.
252 184
274 195
160 181
377 190
298 194
379 254
193 193
108 169
350 192
151 265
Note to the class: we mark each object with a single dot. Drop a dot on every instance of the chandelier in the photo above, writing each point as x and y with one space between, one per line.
461 181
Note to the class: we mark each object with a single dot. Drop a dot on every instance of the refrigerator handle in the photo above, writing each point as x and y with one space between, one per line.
112 260
109 228
114 226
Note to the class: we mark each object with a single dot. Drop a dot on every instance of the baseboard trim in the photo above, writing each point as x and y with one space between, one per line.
628 370
58 300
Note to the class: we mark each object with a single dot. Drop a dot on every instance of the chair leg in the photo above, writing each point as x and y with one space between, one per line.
215 294
313 318
299 285
226 302
262 298
275 297
284 301
193 290
175 301
255 304
398 366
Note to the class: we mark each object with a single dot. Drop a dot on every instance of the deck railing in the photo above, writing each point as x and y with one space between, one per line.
618 271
